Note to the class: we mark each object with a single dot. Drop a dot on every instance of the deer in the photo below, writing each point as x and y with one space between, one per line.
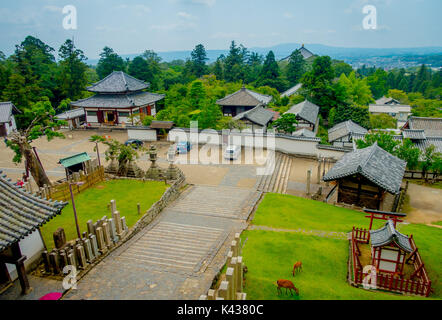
297 267
287 285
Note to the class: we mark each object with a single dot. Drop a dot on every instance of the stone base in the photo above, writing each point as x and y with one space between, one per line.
155 173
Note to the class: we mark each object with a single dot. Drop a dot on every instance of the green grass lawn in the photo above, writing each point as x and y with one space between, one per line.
92 205
270 255
289 212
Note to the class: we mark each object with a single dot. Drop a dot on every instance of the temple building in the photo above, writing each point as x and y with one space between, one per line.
368 178
307 114
343 134
257 119
7 119
21 244
242 101
118 97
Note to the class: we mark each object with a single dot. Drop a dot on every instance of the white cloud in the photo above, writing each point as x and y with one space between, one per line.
288 15
209 3
186 15
51 8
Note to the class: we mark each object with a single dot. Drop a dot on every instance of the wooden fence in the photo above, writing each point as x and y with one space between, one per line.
232 287
60 192
421 286
419 175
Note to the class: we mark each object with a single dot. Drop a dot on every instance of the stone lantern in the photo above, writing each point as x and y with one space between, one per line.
154 172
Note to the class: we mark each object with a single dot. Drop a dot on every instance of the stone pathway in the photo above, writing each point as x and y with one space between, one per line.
176 257
316 233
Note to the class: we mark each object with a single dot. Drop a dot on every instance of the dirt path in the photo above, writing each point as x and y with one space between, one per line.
425 204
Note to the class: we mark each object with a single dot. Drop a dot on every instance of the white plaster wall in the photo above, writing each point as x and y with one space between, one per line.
31 247
143 135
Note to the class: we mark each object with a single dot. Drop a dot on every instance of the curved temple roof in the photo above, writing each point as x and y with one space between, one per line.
22 213
375 164
118 82
389 234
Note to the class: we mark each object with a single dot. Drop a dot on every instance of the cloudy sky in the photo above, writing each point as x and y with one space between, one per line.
132 26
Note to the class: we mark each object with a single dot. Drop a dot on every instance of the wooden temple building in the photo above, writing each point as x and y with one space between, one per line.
307 115
394 256
370 178
242 101
21 216
118 97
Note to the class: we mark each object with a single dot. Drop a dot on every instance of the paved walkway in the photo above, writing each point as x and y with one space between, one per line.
178 255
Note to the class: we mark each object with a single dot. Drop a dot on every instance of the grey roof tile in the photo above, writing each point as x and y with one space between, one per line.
70 114
432 126
258 115
22 213
245 97
375 164
389 234
119 101
305 110
118 82
345 128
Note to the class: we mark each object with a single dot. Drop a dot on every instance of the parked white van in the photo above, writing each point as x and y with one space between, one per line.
232 153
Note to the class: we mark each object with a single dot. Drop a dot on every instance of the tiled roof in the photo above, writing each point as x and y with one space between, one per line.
22 213
343 129
432 126
292 90
389 108
304 133
389 234
161 125
7 109
70 114
306 110
245 97
258 115
375 164
116 101
385 100
414 134
118 82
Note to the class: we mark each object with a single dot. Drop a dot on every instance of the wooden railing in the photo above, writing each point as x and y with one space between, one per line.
421 286
419 175
60 192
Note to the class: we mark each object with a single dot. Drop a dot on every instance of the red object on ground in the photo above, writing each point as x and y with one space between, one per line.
54 296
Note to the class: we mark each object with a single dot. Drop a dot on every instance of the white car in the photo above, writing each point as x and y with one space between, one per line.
232 153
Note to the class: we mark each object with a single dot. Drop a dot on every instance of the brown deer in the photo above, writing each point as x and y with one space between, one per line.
287 285
297 267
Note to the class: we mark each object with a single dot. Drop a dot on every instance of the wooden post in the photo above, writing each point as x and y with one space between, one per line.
239 275
223 290
309 179
230 277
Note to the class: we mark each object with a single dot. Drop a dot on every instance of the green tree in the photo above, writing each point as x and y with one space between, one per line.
342 68
378 83
73 70
199 58
383 121
42 124
432 160
109 62
317 85
295 68
354 90
218 69
286 123
234 63
408 152
270 69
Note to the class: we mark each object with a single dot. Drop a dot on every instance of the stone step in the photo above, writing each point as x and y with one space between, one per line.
280 174
289 170
175 250
271 185
165 256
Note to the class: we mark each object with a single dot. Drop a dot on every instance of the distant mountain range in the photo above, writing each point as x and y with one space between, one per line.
354 56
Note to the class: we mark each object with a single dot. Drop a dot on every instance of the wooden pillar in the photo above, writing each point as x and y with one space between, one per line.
20 266
4 274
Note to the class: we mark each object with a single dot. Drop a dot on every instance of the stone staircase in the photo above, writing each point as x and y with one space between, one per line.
276 180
